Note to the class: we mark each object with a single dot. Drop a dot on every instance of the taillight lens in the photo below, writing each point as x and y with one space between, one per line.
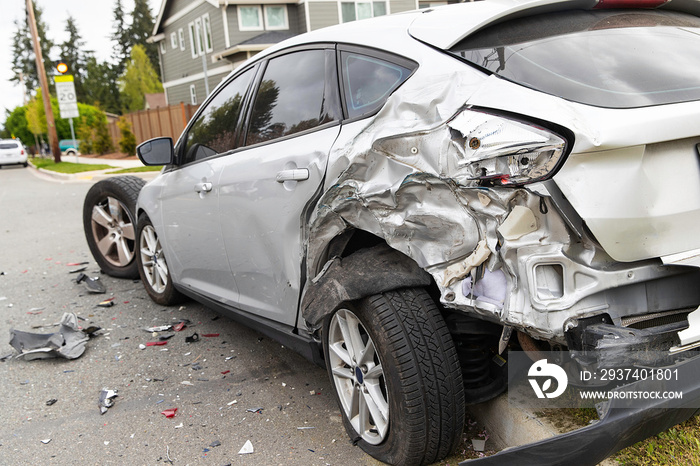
502 151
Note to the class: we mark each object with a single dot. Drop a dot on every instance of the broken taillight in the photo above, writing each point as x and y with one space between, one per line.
503 151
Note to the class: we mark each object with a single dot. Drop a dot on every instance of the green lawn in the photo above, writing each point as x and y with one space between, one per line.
67 167
678 446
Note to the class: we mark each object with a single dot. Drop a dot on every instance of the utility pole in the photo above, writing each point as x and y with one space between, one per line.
50 123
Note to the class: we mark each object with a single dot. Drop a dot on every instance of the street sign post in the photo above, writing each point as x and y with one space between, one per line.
67 102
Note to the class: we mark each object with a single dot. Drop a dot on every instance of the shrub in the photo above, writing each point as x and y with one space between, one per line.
127 143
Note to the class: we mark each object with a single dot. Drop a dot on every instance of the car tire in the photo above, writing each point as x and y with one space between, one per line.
109 222
152 265
25 164
409 379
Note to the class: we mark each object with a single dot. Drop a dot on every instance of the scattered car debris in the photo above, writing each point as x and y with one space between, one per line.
51 402
165 337
305 428
180 326
180 426
169 413
6 356
46 441
93 284
225 372
156 343
74 264
142 346
215 444
160 328
186 382
107 397
106 303
192 338
68 342
258 410
247 448
78 270
210 335
479 444
231 403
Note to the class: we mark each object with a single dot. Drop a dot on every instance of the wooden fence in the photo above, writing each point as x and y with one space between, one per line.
156 122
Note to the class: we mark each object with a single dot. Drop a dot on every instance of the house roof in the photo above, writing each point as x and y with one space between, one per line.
155 100
255 44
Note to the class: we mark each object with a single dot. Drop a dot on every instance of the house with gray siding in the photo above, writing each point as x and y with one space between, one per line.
199 38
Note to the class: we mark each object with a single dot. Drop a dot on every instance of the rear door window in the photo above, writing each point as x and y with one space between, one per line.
9 145
295 94
368 81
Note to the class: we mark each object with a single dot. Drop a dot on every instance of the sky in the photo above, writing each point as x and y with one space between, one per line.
94 19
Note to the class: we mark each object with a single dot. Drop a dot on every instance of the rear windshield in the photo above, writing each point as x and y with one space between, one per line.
9 145
610 58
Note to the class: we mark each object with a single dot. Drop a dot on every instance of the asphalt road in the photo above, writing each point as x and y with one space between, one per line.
40 234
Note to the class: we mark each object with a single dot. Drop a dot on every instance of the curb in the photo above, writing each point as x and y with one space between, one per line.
96 175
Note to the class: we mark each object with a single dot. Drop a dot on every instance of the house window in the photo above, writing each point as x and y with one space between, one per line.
192 40
424 5
250 18
198 36
351 11
162 47
193 94
173 40
206 30
276 17
181 37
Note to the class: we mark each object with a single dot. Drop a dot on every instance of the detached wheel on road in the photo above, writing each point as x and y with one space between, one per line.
152 265
109 222
396 376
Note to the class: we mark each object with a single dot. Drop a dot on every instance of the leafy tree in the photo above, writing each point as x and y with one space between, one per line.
23 52
36 118
93 132
120 35
72 53
16 126
139 79
103 141
141 29
127 142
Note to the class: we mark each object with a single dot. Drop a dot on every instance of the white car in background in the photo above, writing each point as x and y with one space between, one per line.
12 152
403 198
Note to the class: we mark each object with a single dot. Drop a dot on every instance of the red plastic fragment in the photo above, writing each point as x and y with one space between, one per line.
179 327
156 343
225 372
169 413
210 335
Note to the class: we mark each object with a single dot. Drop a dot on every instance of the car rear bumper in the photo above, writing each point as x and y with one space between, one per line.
622 424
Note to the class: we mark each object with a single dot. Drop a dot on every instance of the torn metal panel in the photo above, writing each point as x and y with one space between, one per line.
364 273
68 342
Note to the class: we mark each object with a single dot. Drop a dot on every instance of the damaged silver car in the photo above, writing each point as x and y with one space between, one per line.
400 199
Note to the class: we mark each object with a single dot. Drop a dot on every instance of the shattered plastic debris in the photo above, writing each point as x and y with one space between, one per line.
106 303
210 335
258 410
479 444
93 284
45 441
215 443
192 338
107 397
225 372
186 382
51 402
169 413
68 342
160 328
247 448
74 264
157 343
179 327
78 270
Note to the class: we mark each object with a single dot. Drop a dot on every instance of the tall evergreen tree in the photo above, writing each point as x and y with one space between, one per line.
141 28
120 35
101 85
72 53
23 52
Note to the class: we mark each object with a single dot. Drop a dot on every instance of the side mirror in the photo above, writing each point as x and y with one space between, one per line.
158 151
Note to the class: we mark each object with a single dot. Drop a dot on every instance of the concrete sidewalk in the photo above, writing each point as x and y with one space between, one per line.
121 163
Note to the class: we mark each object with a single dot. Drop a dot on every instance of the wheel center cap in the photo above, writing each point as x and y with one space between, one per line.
358 375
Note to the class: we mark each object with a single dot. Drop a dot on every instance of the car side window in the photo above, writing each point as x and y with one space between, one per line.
291 97
214 131
369 81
